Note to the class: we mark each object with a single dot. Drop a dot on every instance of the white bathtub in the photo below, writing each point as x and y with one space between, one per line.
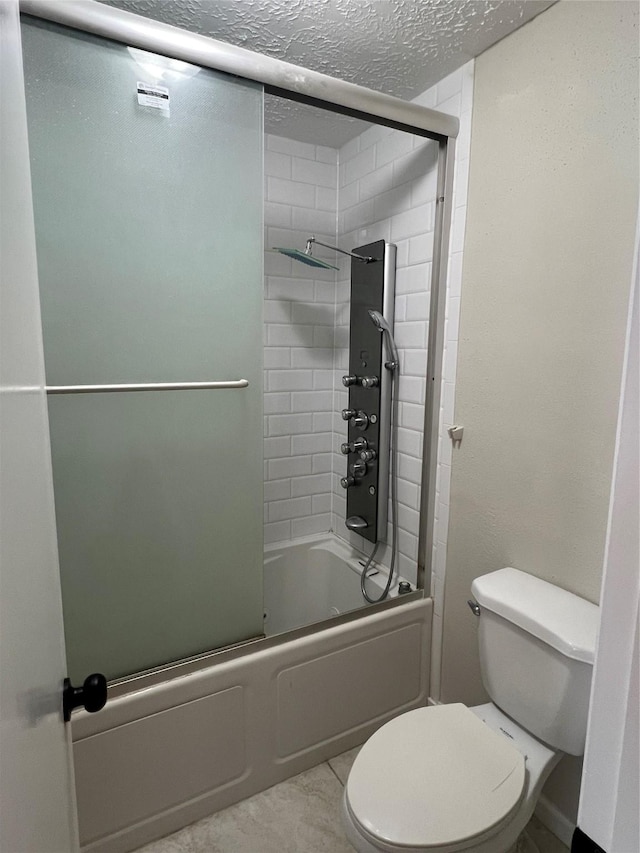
315 578
171 748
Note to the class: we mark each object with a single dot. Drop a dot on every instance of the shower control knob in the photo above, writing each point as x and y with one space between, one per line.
354 446
345 482
347 414
368 455
361 419
349 379
369 381
358 469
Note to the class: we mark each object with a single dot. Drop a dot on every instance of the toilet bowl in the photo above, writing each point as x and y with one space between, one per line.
444 779
450 778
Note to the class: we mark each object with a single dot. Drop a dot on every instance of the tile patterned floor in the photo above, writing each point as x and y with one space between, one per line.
300 815
541 839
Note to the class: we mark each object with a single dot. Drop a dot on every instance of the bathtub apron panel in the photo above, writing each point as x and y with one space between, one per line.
160 758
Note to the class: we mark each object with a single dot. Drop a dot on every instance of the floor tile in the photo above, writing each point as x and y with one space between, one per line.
544 841
179 842
341 764
300 815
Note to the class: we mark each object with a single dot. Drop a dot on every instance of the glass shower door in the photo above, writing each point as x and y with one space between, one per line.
147 184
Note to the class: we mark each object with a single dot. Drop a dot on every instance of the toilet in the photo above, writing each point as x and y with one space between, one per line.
449 778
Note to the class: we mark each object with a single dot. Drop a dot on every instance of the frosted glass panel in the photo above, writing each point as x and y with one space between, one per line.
149 237
156 527
147 223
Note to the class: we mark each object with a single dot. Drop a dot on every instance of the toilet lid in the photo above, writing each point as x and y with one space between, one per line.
434 777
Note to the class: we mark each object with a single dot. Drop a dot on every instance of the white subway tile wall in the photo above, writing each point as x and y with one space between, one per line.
387 186
380 185
300 314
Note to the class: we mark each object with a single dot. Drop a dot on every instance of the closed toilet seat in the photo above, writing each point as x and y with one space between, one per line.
434 779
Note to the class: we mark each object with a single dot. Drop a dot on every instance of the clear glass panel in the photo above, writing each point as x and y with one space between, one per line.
149 235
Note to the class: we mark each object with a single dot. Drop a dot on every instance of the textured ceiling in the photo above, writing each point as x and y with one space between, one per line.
400 47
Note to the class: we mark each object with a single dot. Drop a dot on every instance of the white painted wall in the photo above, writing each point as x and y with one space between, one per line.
553 196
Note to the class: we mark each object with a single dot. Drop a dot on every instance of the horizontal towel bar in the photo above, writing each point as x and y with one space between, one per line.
147 386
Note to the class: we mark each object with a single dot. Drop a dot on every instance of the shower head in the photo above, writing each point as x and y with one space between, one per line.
382 326
308 259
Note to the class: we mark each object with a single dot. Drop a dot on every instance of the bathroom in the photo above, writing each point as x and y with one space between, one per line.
529 482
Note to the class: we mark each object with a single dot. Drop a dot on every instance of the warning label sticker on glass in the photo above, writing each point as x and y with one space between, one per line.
151 95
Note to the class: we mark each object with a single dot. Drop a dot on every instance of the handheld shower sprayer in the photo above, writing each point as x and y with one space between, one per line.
382 326
394 367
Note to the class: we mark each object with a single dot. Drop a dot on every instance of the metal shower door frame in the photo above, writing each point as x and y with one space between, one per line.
296 83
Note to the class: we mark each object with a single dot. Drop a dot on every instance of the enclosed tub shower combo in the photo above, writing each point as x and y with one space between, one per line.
230 665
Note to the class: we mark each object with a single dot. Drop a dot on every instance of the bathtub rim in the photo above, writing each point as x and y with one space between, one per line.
126 685
168 672
351 555
195 685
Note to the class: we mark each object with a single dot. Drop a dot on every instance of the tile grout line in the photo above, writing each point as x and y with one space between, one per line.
328 763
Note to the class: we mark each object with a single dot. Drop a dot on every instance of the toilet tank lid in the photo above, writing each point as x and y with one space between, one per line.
559 618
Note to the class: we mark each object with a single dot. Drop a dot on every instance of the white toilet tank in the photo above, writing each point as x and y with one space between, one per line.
537 645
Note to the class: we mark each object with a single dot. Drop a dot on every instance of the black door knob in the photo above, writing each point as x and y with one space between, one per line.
92 696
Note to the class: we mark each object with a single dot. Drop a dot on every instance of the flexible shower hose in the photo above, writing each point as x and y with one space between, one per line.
393 435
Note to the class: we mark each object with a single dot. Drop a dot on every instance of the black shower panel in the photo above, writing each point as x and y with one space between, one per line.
370 385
